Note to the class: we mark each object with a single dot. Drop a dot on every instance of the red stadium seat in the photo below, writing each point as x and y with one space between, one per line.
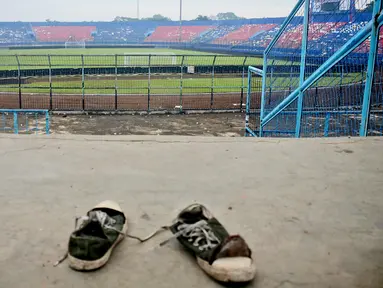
63 33
244 33
172 33
293 38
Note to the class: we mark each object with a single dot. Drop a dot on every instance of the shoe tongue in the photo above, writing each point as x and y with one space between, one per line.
192 216
94 229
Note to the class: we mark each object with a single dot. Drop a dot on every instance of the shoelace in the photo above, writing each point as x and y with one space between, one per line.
196 233
202 236
98 216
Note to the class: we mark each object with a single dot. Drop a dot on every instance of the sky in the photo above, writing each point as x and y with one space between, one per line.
103 10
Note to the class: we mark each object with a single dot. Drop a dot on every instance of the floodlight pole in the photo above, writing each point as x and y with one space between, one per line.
138 9
180 39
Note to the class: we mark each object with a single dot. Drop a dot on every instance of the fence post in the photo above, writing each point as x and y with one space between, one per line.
50 83
327 124
149 83
181 81
243 84
341 85
291 76
212 83
303 67
19 80
115 83
47 123
83 82
15 123
271 81
316 94
370 69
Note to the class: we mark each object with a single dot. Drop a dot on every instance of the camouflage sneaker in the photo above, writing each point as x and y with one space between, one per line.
96 235
225 258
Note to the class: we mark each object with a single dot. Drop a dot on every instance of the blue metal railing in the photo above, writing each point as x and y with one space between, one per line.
40 121
370 30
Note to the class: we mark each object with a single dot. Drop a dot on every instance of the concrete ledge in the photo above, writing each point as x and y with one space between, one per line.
311 209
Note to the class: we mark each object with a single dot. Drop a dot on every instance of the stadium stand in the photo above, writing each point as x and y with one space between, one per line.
244 33
15 33
258 42
215 33
172 33
63 33
338 37
122 33
380 49
316 31
366 47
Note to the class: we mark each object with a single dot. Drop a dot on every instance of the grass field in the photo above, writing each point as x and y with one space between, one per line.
109 57
166 85
96 51
97 85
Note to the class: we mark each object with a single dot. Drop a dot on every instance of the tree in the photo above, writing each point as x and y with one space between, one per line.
124 19
202 18
228 16
157 17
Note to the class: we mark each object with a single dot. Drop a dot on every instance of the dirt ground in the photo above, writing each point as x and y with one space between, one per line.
217 124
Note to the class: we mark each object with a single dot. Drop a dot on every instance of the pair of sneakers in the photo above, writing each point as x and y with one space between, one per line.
225 257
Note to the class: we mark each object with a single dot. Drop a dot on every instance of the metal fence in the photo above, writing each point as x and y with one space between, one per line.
321 83
129 82
24 121
253 103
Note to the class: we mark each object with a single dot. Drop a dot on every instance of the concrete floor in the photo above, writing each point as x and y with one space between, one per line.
311 210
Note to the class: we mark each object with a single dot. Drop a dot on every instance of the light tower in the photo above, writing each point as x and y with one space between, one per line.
180 38
138 9
352 11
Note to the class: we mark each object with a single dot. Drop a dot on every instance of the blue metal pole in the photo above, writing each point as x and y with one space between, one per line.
303 67
353 43
248 101
352 11
264 78
257 71
47 123
370 69
284 25
15 123
327 125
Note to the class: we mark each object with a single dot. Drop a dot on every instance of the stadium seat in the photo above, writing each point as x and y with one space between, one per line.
15 33
122 33
215 33
172 33
324 37
63 33
293 38
244 33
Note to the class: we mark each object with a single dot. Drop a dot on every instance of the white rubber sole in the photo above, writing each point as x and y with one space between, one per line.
82 265
226 272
